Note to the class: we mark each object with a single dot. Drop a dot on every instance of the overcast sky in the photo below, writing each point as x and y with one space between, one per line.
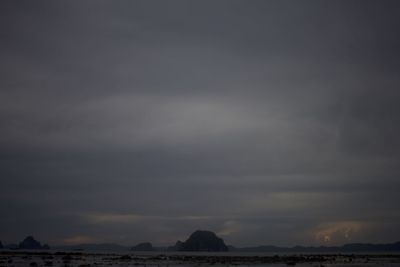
268 122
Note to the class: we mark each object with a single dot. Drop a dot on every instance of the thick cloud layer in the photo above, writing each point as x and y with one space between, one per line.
267 122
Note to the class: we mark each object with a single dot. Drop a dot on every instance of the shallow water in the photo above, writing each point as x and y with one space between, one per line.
86 259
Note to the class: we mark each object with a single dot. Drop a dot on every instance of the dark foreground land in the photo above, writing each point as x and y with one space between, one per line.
81 259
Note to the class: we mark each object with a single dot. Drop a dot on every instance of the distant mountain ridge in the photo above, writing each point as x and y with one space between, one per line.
207 241
352 247
179 246
94 247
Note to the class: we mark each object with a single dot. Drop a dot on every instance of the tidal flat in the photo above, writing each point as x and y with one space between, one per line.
87 259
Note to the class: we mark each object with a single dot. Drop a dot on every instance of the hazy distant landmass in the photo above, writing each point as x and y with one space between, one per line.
145 246
354 247
94 247
206 241
179 246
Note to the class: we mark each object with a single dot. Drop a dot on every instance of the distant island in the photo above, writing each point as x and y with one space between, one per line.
201 240
198 241
29 243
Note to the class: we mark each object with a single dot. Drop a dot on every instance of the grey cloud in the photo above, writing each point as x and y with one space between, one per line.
257 118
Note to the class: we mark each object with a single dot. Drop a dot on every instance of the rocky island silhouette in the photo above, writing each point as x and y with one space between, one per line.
202 240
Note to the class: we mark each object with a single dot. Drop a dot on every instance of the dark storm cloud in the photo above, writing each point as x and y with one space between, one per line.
267 122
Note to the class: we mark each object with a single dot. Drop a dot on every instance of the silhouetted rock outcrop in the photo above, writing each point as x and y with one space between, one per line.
146 246
203 241
30 243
